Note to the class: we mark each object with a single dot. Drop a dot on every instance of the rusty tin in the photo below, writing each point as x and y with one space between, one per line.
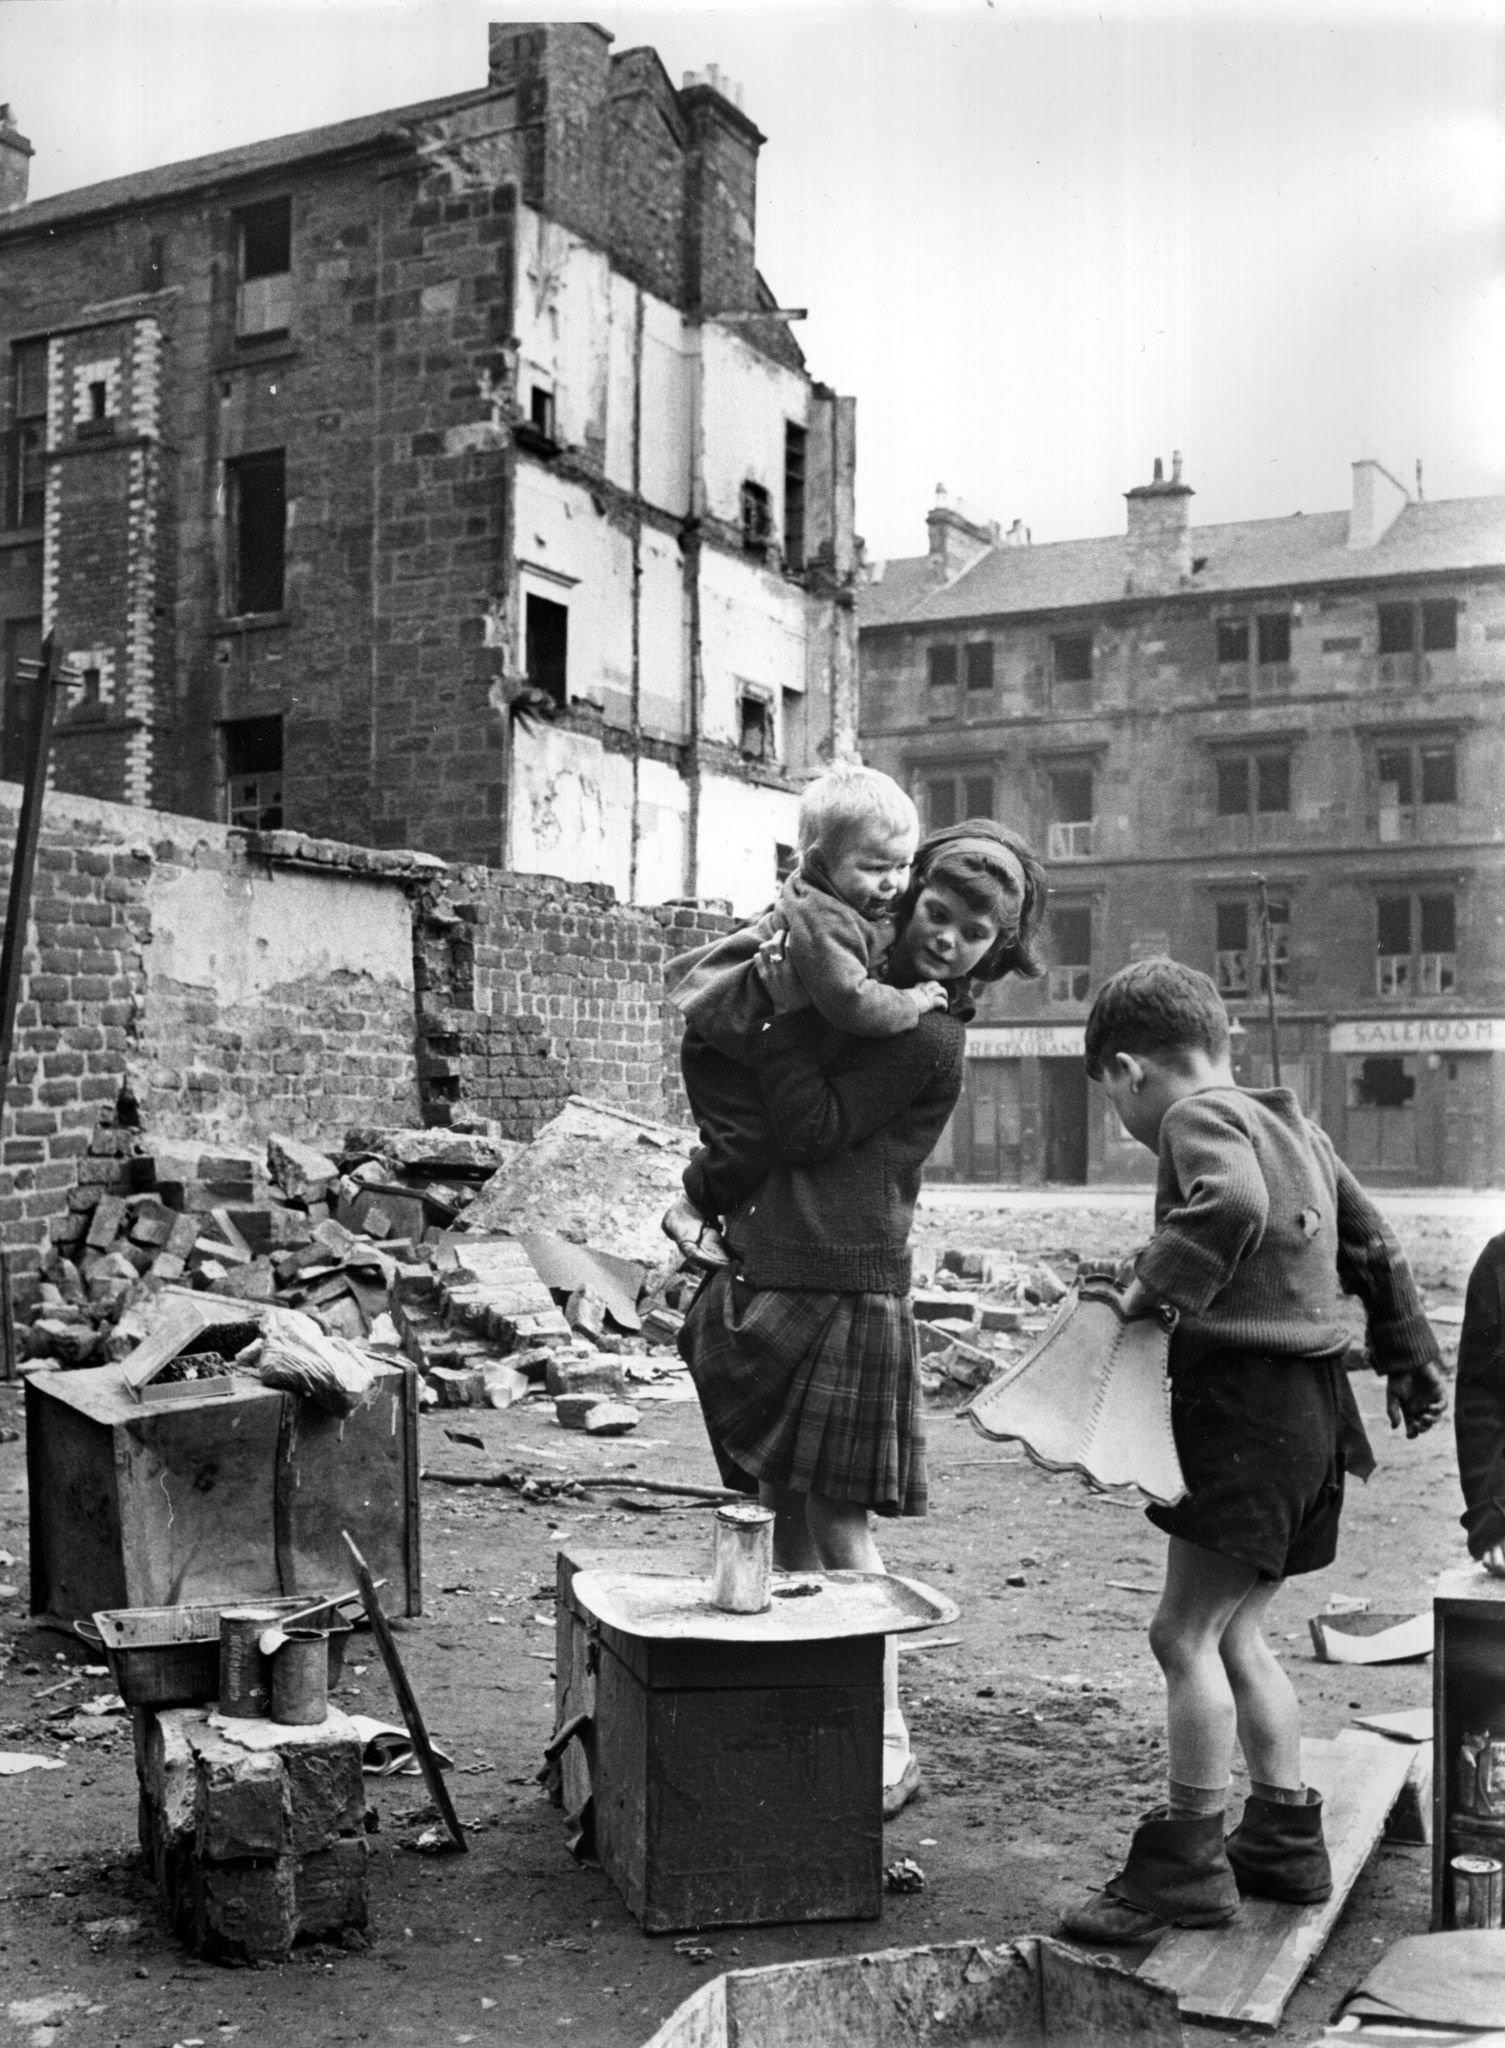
245 1675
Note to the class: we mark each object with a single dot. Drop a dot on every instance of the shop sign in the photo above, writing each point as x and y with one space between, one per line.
1419 1034
1025 1042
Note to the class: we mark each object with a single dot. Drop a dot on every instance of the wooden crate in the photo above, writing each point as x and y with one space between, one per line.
240 1496
1030 1993
733 1784
1468 1697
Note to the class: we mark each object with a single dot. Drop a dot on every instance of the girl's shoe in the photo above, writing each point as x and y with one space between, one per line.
1177 1875
897 1795
700 1242
1277 1851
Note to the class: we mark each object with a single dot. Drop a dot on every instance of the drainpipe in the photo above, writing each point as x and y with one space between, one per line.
636 706
691 543
1268 960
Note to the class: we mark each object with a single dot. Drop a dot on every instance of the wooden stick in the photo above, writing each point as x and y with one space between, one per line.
423 1749
624 1480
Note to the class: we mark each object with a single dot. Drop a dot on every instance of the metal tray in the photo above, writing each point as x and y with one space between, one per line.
806 1606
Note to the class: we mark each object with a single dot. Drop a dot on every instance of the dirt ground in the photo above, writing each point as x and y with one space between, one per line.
1036 1717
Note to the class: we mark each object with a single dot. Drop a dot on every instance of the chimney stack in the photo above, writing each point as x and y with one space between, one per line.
1159 536
1378 501
16 154
958 536
721 196
559 71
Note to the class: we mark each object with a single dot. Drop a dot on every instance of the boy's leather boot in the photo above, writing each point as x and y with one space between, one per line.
1277 1851
1177 1875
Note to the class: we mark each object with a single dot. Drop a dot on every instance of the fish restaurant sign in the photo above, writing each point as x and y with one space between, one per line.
1024 1041
1419 1034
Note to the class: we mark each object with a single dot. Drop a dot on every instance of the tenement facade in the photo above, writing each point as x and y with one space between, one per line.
445 479
1274 749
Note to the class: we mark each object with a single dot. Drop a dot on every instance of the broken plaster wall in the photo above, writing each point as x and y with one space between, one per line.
234 985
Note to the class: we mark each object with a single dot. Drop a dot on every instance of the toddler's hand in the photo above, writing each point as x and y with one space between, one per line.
930 995
778 975
1415 1398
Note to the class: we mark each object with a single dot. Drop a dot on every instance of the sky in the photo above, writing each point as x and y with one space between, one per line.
1040 244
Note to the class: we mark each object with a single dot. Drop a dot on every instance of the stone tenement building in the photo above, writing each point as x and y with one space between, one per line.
444 479
1178 713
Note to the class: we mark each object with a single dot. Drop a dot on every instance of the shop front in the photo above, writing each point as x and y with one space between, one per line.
1419 1100
1022 1120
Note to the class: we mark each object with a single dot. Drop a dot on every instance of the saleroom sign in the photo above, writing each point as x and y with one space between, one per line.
1419 1034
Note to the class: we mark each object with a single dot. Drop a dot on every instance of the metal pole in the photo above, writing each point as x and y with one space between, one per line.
1267 958
23 866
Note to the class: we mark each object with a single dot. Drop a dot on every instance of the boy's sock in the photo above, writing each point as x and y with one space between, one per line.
1280 1795
1197 1798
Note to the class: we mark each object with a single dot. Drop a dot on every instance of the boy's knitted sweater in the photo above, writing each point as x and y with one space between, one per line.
853 1120
1479 1408
1259 1226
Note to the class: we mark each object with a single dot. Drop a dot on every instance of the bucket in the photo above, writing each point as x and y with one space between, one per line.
300 1677
742 1562
245 1679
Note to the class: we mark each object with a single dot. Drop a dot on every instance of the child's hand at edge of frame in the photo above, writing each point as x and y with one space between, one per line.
1493 1560
1415 1398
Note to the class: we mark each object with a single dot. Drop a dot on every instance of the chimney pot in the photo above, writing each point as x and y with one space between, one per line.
16 154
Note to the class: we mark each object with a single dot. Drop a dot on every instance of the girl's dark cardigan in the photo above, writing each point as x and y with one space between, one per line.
854 1121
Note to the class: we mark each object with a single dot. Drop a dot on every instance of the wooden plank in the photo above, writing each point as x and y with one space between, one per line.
1245 1973
412 1714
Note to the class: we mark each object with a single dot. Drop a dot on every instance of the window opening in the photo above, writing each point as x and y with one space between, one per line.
1416 945
795 438
757 519
1253 784
757 726
1070 828
946 799
1241 967
546 649
1070 978
940 665
256 511
979 664
541 409
253 773
264 255
1381 1081
27 494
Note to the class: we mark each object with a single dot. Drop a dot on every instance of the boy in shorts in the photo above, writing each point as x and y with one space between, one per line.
1258 1226
857 834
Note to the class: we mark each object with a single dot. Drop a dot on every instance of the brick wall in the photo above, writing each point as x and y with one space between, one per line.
232 985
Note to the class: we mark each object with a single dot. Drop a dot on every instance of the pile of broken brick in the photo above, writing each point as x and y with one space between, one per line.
375 1246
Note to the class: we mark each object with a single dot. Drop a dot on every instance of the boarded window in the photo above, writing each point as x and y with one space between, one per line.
264 244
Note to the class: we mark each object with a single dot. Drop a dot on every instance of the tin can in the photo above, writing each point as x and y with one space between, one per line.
245 1677
742 1562
1476 1884
300 1677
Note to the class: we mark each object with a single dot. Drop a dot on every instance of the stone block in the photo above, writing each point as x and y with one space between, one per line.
329 1887
241 1804
602 1375
244 1911
326 1789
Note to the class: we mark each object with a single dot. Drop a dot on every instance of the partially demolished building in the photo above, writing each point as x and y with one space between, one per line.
446 478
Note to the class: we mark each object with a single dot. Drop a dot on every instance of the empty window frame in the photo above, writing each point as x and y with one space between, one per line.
26 482
1242 965
541 410
1253 784
1418 626
1416 944
256 532
546 648
756 736
1411 776
1070 671
795 439
757 519
1070 973
1253 652
945 799
263 268
1069 828
940 665
253 773
977 657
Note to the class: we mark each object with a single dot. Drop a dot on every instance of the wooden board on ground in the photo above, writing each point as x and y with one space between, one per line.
1244 1974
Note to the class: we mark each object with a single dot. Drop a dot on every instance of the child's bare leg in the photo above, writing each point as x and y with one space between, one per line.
1202 1594
794 1547
1269 1713
844 1539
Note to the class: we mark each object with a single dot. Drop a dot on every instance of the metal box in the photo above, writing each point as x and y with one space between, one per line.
241 1495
